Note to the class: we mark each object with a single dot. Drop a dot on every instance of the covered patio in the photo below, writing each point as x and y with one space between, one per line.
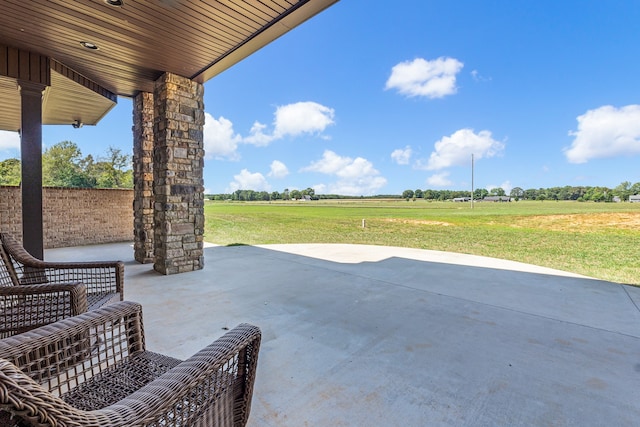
369 335
66 63
352 335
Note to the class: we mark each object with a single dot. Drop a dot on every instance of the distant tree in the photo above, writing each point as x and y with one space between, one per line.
428 195
623 190
112 171
531 194
407 194
597 196
564 193
308 192
577 192
419 194
516 193
275 195
245 195
10 172
295 194
635 188
480 193
62 167
459 193
497 191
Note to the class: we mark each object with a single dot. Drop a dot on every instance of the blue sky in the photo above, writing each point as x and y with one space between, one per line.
379 97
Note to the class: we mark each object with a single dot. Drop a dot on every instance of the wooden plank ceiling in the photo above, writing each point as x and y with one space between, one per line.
136 43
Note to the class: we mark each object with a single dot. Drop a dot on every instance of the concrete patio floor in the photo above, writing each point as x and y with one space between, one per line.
376 336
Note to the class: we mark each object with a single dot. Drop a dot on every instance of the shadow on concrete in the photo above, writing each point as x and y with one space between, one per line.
400 341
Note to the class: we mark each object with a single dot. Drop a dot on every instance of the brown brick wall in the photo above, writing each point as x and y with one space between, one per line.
73 216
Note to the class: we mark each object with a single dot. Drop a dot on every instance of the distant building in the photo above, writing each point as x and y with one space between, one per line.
497 199
635 198
462 199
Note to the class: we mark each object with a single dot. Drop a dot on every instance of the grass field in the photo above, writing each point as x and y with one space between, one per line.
600 240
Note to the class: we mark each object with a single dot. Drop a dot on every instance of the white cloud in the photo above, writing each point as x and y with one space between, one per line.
9 140
506 186
355 176
246 180
320 188
478 77
456 150
220 140
402 155
278 169
420 77
257 136
302 117
439 180
330 164
605 132
293 120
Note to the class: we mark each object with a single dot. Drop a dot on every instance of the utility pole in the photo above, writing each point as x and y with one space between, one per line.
471 180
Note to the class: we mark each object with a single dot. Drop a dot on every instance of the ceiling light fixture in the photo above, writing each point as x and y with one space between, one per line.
115 3
89 45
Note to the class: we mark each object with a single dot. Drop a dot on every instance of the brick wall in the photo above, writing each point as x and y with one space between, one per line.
73 216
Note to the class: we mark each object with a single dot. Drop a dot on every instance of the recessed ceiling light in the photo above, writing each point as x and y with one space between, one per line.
89 45
116 3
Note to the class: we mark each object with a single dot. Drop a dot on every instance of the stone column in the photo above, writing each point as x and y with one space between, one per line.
177 170
143 232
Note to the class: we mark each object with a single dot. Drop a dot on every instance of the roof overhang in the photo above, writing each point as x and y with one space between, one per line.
69 98
136 43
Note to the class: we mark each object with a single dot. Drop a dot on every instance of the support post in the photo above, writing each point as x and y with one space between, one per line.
178 162
31 153
143 119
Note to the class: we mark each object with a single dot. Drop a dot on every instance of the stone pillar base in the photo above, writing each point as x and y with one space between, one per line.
178 179
143 232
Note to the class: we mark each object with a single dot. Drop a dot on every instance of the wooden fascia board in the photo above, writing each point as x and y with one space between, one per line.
278 27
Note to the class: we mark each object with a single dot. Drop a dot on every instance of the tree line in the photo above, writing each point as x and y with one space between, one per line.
64 166
577 193
251 195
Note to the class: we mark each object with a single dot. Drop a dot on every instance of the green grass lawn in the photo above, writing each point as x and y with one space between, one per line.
600 240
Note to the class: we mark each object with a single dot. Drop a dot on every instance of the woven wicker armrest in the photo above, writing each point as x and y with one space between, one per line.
99 277
213 387
27 307
94 370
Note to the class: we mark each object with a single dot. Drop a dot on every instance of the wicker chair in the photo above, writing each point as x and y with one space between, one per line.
35 293
118 382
